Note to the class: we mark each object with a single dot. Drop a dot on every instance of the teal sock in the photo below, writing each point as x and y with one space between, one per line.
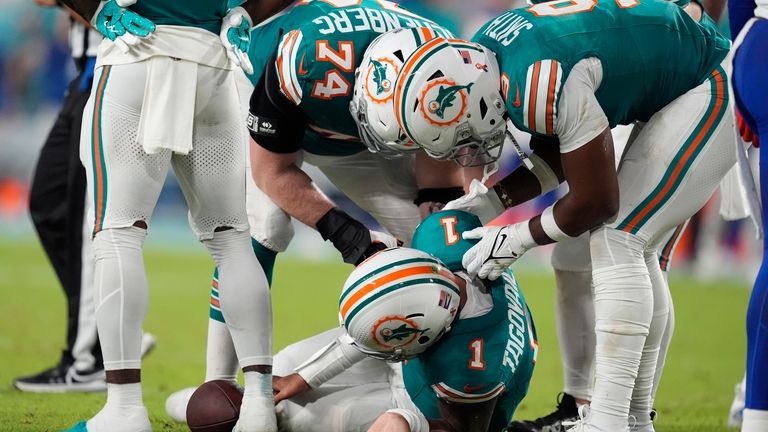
266 258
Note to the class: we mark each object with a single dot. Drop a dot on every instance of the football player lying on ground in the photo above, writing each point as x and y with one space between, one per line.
299 113
470 345
566 76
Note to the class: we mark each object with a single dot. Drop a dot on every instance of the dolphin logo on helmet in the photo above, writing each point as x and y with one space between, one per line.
380 76
401 333
445 98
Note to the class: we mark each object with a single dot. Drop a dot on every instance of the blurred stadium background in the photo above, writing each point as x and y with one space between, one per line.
711 272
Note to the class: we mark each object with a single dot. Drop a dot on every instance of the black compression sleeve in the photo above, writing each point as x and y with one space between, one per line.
348 235
274 122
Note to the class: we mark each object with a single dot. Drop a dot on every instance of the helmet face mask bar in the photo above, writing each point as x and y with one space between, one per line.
372 140
469 152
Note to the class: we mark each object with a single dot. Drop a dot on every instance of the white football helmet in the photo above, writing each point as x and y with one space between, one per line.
447 99
371 104
397 303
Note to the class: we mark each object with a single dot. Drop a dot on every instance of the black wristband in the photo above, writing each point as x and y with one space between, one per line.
348 235
439 195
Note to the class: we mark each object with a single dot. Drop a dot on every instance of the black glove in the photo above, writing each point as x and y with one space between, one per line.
350 237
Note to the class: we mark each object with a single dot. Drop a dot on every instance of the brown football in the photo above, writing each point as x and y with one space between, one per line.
214 407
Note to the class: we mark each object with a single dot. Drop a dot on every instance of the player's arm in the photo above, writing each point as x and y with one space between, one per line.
277 128
438 181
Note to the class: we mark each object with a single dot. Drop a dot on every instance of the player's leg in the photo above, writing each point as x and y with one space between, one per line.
385 188
56 208
575 321
750 67
667 174
212 177
123 185
665 261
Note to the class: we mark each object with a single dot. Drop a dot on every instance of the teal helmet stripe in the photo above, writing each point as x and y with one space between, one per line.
382 269
422 60
361 305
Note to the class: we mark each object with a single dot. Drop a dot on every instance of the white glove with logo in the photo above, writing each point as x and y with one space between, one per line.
236 37
498 248
479 201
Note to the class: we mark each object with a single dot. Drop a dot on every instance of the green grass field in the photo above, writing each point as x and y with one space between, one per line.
705 361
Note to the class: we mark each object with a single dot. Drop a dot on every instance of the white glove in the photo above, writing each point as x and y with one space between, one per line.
236 36
498 249
479 201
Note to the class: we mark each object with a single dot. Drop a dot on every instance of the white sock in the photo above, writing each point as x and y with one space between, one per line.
120 286
221 359
576 331
640 407
754 421
666 339
244 296
124 411
257 411
623 314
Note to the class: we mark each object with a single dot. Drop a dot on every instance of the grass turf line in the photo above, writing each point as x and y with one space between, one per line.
705 361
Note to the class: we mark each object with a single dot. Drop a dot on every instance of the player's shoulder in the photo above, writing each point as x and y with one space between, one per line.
532 72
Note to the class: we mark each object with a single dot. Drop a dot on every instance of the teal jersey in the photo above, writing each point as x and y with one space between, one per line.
204 14
315 48
651 52
480 358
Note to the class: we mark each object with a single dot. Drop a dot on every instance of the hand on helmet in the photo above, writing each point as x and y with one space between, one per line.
498 248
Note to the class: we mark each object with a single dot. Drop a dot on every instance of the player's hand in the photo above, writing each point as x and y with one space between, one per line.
236 36
479 201
379 242
120 25
288 386
745 131
498 248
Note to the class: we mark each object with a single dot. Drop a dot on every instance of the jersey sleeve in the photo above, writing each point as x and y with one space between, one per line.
540 98
289 63
579 115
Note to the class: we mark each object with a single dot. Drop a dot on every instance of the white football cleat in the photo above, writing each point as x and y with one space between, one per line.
257 414
736 413
176 404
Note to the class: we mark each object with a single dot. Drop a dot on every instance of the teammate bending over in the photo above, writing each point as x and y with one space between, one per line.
568 71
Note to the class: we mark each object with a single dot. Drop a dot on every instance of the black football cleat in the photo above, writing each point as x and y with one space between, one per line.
566 411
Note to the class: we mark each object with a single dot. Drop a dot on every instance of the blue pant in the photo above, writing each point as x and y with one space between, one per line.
750 85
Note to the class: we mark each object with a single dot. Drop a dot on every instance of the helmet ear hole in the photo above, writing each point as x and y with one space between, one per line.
438 74
399 55
424 339
483 108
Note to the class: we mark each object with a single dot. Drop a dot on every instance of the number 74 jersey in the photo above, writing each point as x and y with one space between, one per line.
651 52
318 45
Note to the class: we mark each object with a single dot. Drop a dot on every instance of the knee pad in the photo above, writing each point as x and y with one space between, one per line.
623 299
113 242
